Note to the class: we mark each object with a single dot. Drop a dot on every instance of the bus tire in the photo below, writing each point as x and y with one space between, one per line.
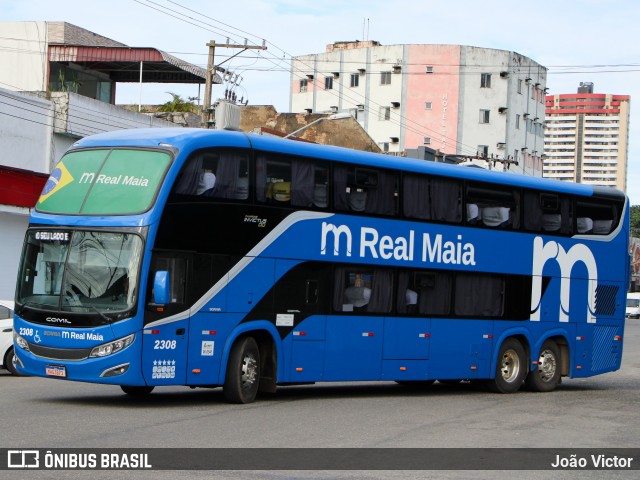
511 367
9 362
136 391
546 377
243 372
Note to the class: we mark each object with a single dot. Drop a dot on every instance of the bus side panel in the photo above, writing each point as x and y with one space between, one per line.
406 338
164 353
247 288
353 348
206 342
461 348
308 349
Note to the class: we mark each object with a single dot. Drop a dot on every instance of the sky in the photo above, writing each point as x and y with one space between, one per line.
578 41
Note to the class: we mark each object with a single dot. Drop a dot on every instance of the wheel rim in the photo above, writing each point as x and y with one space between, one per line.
547 365
510 367
249 371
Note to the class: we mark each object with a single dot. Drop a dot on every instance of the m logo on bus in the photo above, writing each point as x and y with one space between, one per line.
544 252
337 232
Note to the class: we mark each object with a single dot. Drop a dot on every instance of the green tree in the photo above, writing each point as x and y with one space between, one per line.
177 104
635 220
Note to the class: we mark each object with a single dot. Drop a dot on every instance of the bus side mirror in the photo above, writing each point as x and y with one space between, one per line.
161 288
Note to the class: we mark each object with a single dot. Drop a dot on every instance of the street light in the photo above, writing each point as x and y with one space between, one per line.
335 116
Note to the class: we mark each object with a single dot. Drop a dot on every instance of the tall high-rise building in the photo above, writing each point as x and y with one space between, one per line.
458 100
586 137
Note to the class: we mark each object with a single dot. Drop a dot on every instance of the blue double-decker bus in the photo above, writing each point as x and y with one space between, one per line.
206 258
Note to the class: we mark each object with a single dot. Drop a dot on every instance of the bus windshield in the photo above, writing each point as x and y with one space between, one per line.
80 271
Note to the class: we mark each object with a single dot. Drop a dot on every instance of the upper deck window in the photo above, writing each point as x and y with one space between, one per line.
104 182
214 173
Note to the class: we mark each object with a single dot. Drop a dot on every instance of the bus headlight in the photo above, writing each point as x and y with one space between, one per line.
21 342
110 348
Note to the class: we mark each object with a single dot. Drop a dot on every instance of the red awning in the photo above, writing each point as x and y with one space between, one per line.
20 188
122 64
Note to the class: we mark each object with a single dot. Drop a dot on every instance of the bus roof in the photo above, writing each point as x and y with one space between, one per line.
190 139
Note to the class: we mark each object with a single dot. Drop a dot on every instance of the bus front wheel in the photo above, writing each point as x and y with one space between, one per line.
511 367
136 391
243 372
546 377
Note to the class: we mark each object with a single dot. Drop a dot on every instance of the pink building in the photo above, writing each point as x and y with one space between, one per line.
460 100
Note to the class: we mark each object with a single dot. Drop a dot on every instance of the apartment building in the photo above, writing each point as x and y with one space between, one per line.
484 104
587 137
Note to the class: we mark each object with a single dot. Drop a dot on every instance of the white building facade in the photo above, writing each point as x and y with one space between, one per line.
459 100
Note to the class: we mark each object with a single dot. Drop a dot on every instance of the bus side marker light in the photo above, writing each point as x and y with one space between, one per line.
535 362
579 338
196 371
299 334
152 332
487 336
209 332
473 367
403 369
367 334
298 369
617 338
424 335
578 367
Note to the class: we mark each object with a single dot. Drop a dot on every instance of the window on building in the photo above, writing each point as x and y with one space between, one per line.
520 85
355 79
384 113
485 80
384 146
427 140
303 85
483 151
428 105
484 116
328 83
385 78
429 69
518 121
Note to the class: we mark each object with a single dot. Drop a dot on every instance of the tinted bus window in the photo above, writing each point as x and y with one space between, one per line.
287 180
361 289
424 292
494 207
548 212
365 190
594 217
432 198
215 174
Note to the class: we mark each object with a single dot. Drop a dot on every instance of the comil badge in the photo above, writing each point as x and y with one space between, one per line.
60 178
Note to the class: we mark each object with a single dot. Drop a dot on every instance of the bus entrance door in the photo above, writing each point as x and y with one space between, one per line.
165 340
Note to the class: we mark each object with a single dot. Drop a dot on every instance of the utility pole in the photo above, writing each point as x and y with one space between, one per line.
207 109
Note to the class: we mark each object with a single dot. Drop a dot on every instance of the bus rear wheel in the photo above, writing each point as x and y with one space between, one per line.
243 372
136 391
511 367
546 377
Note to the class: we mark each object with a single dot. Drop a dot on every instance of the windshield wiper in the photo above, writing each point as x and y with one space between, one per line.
106 318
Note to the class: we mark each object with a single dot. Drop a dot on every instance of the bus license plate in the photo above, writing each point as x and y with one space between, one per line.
56 371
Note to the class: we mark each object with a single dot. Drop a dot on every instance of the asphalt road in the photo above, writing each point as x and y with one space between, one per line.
597 412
